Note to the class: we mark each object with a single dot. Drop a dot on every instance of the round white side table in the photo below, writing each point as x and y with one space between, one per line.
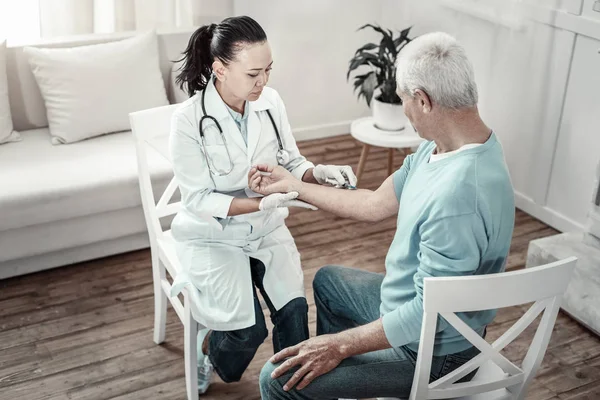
369 135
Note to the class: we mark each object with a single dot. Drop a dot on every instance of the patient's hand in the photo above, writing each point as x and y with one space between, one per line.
267 179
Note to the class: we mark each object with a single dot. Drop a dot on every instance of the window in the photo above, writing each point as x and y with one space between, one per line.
19 20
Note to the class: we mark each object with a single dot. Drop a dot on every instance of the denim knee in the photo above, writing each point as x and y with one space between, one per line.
326 281
247 339
264 380
256 336
324 278
246 342
270 388
296 307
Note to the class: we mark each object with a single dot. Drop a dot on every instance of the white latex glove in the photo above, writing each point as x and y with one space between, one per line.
335 175
277 200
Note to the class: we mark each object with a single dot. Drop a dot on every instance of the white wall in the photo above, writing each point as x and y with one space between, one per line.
312 41
578 143
208 11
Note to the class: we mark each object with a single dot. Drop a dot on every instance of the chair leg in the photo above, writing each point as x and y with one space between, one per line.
390 161
190 328
160 299
361 163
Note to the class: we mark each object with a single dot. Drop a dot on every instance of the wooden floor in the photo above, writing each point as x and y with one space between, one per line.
85 331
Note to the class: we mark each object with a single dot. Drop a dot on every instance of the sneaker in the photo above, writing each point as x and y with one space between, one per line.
205 372
205 368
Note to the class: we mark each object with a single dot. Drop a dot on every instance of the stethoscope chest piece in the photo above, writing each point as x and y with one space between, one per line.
283 157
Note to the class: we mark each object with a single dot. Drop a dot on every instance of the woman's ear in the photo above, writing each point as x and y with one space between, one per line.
219 70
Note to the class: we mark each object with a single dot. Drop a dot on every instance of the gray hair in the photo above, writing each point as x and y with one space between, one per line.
438 65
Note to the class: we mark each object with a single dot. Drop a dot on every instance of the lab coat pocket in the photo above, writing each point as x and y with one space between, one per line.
237 230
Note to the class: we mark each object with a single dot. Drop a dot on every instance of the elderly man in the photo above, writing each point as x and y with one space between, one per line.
455 206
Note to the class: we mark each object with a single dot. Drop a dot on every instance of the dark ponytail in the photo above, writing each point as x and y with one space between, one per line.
212 42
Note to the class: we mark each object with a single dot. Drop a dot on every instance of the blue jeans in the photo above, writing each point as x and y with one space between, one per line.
347 298
231 352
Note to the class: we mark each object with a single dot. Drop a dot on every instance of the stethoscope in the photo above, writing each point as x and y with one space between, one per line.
283 156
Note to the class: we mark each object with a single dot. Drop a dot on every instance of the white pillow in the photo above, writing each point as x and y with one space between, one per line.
90 90
7 134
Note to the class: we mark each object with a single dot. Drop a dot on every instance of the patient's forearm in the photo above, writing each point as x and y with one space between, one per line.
363 339
354 204
309 176
243 206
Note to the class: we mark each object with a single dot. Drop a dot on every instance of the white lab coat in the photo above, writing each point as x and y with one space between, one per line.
214 249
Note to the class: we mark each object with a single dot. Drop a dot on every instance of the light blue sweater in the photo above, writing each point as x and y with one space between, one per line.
456 218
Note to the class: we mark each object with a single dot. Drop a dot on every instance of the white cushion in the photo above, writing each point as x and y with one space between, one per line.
42 183
90 90
7 134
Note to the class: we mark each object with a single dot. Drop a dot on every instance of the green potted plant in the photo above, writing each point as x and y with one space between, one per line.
378 85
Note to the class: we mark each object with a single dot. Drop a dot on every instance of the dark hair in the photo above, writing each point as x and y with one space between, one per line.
212 41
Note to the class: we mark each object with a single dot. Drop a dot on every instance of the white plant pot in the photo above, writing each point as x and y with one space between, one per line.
389 117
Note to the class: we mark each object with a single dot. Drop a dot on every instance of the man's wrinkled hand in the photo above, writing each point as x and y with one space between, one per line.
315 357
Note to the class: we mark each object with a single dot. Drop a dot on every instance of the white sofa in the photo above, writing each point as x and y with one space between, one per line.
63 204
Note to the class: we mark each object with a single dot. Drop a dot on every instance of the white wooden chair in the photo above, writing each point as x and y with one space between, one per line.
151 130
497 377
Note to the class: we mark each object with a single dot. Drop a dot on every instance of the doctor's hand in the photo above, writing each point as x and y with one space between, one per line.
335 175
276 200
267 179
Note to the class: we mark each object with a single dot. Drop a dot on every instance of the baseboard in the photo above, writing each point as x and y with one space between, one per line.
547 215
322 131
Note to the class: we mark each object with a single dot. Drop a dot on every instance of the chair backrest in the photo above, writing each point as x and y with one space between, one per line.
151 130
543 285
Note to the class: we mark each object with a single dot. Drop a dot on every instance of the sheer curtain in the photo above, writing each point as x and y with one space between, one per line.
26 20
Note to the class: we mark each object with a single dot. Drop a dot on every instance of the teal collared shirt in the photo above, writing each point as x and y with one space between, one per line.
240 120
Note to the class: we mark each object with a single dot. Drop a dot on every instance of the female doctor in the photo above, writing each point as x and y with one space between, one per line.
229 241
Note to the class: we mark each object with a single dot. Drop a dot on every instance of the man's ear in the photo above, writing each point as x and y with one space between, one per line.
423 101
